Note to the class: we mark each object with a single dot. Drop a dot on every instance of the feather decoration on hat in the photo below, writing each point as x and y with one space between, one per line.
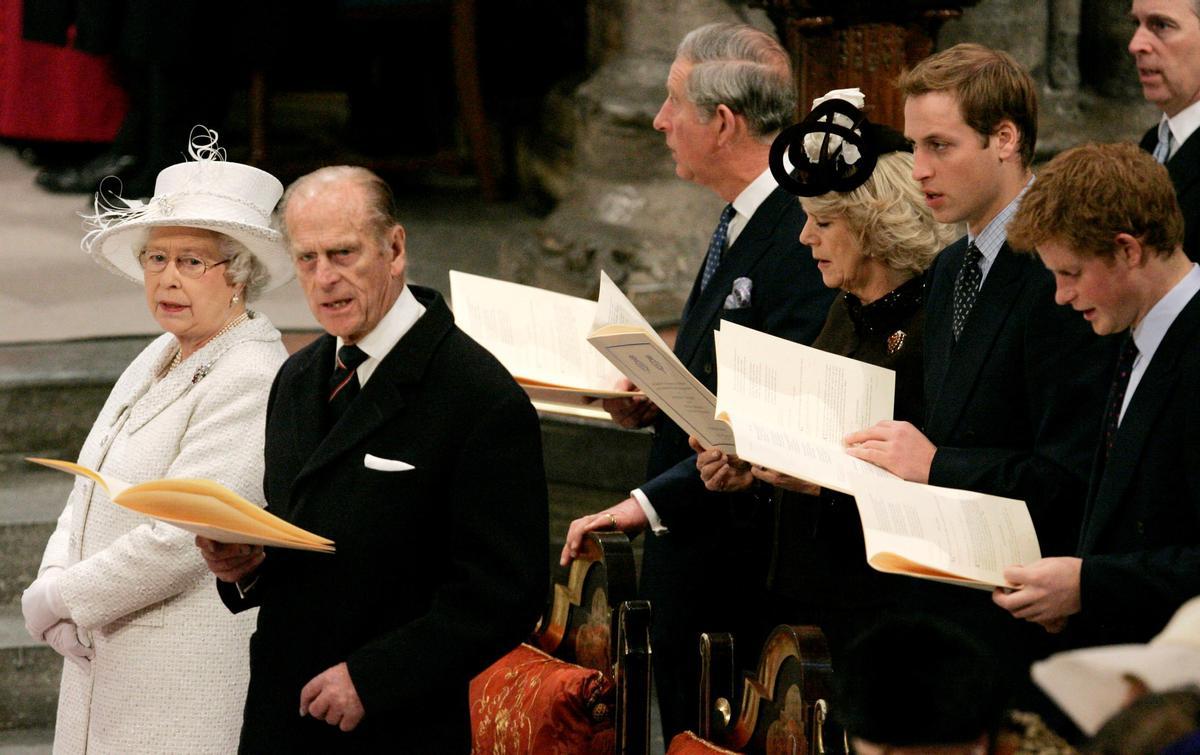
110 209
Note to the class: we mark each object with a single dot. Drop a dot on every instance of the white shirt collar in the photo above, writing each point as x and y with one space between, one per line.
1148 333
748 202
1183 124
379 342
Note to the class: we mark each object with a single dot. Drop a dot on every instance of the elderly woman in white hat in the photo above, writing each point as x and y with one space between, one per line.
156 663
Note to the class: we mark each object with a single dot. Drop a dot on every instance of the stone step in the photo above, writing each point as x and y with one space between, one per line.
29 675
27 742
50 393
30 502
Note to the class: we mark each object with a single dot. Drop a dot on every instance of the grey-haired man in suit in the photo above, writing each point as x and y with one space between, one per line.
410 446
729 91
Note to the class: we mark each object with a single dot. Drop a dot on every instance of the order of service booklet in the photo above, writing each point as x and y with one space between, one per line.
624 337
202 507
539 336
787 407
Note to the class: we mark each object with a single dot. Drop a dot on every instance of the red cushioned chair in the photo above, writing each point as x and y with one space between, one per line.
582 683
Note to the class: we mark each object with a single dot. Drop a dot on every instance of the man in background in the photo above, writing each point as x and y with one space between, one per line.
1166 49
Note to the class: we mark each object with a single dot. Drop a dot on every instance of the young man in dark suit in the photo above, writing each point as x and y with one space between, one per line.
729 91
1013 383
410 446
1164 47
1105 222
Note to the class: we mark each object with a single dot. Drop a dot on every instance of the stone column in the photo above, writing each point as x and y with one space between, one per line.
1077 53
624 210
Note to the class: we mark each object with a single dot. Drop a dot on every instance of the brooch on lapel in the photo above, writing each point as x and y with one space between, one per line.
895 341
739 297
201 373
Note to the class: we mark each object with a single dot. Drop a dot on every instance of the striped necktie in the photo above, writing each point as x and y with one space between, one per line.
343 383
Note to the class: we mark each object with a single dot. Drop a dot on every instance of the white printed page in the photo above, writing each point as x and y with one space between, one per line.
801 456
923 530
799 389
539 336
790 405
614 308
650 365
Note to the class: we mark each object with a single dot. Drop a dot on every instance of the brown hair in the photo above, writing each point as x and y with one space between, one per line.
1087 195
990 86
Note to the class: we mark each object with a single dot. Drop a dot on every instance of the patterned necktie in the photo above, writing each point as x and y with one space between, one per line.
966 288
343 383
1162 150
715 246
1116 396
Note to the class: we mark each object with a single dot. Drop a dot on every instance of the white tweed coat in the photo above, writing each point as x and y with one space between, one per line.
171 664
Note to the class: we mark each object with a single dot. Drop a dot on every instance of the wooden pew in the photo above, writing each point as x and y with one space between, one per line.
783 708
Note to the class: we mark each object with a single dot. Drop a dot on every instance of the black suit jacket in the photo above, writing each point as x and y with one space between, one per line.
1014 408
1015 405
708 573
788 300
1141 535
1184 169
439 570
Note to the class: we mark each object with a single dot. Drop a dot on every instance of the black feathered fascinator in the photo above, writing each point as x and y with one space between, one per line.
834 149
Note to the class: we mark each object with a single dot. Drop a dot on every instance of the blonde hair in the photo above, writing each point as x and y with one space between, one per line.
888 216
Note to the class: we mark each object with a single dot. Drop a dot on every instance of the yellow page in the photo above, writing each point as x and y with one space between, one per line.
538 335
958 533
203 507
207 516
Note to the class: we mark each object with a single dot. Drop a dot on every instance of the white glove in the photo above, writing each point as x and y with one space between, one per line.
42 603
64 637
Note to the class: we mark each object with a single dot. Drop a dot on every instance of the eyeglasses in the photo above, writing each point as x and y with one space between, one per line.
189 266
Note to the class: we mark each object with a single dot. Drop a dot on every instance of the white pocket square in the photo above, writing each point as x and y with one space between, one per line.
380 464
739 297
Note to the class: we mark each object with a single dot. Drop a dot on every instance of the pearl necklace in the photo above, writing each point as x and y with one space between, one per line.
178 358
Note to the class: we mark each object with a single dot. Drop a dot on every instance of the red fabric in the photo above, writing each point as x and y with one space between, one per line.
687 743
530 702
51 93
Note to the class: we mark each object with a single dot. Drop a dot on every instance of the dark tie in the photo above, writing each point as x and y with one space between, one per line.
716 245
966 288
343 383
1116 396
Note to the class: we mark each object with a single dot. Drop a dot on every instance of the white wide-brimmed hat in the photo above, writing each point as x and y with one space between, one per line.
1089 684
204 192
